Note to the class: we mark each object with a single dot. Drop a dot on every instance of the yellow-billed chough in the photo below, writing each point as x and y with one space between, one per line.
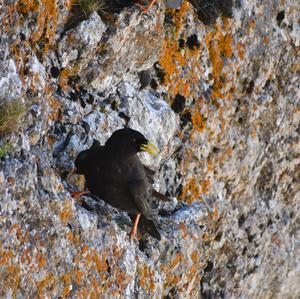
115 174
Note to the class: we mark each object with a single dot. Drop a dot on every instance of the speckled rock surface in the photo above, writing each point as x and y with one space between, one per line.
222 102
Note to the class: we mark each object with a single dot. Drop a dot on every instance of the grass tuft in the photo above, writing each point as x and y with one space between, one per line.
10 116
89 6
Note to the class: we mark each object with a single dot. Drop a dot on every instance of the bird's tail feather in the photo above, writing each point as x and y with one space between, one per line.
160 196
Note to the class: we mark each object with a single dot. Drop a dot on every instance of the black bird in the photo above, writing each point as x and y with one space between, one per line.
115 174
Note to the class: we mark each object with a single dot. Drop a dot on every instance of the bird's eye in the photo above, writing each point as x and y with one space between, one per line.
134 140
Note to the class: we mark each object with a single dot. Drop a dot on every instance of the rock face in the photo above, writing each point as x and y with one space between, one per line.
222 102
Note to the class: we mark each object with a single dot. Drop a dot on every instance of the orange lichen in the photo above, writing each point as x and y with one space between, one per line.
47 15
70 236
66 213
25 257
190 191
205 186
47 21
215 214
183 228
171 278
85 249
78 276
6 256
48 281
195 256
40 260
100 263
13 278
241 50
198 121
219 46
63 78
55 108
65 216
206 237
28 6
173 60
67 281
266 40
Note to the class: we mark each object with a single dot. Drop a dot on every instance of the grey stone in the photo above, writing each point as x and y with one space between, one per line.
229 159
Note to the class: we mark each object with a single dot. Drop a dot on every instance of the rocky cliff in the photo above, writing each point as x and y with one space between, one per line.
221 99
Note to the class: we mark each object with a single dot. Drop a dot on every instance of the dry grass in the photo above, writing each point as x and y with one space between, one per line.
11 113
87 7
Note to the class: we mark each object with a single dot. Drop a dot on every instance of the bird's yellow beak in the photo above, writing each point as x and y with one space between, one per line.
150 148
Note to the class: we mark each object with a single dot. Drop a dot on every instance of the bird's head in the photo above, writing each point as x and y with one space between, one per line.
129 141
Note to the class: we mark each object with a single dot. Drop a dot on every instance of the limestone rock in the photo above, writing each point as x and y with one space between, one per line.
220 101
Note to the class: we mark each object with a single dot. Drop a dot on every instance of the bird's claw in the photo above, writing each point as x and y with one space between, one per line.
77 194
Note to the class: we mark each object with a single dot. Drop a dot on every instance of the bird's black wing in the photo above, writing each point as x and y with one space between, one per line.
87 159
160 196
139 192
149 173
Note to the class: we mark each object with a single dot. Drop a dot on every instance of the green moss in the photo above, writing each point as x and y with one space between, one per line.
11 113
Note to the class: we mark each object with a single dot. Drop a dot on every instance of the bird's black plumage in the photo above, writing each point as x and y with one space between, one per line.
115 174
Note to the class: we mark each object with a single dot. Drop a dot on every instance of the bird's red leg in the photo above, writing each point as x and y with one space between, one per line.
135 226
145 10
78 194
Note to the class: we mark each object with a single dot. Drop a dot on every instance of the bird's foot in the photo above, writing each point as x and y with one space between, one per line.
76 195
145 9
135 226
